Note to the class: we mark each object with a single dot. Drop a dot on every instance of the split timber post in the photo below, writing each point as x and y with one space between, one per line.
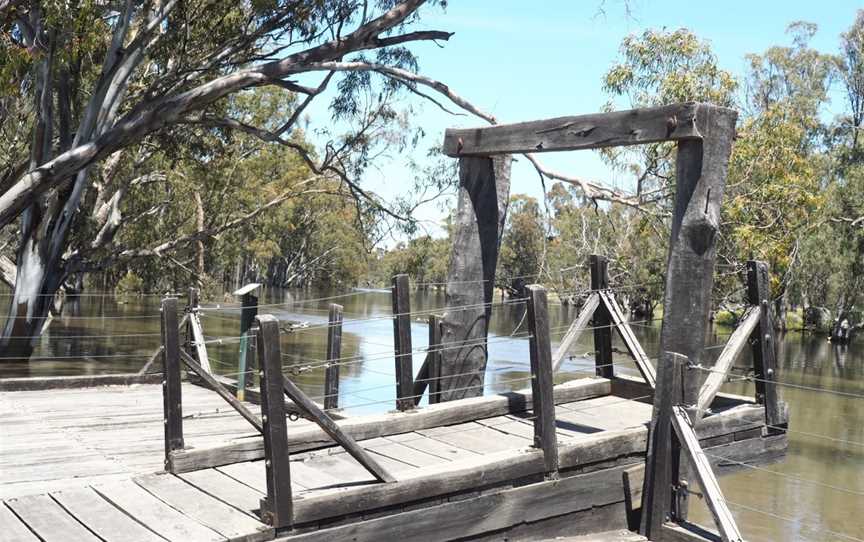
334 352
542 392
402 342
700 181
602 320
248 312
484 193
172 401
277 506
764 346
429 374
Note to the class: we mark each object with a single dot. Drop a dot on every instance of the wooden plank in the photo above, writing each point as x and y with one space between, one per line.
207 510
602 318
437 448
687 532
630 341
734 346
430 372
155 514
172 393
220 390
764 348
342 467
468 518
575 330
326 423
683 121
48 520
540 349
250 473
334 352
102 517
475 437
276 508
226 489
197 331
87 381
633 478
378 425
400 452
712 494
13 529
311 477
478 224
402 342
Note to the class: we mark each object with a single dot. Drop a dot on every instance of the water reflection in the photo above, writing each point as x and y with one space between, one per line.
108 334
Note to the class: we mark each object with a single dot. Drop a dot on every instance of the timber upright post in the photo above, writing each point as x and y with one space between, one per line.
434 374
764 347
542 392
277 506
602 321
248 312
334 352
171 388
402 342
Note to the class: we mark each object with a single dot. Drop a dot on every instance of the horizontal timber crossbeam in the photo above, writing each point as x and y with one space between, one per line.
676 122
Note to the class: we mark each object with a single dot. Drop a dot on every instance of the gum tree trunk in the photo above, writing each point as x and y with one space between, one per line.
484 192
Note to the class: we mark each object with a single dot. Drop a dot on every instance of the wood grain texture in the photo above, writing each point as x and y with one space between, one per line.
599 266
49 520
481 210
102 517
334 352
172 397
765 345
540 347
400 294
630 341
676 122
88 381
13 529
575 330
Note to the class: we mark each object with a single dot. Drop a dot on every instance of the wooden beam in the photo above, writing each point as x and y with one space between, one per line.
661 464
764 347
734 346
222 391
602 320
540 347
172 394
676 122
35 383
334 353
277 508
402 342
575 330
391 423
711 491
484 193
630 341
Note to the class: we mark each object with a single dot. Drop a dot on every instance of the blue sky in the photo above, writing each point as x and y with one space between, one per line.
529 60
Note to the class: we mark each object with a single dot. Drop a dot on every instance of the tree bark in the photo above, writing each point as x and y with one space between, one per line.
484 192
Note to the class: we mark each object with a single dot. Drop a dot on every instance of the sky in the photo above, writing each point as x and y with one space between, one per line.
523 60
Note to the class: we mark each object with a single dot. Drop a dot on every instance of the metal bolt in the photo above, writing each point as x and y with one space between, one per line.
164 383
261 374
764 302
267 463
165 421
770 372
768 337
264 418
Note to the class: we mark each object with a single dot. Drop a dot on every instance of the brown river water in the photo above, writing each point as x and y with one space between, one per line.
816 493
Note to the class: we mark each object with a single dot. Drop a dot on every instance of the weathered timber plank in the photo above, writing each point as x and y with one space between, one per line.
342 467
311 477
334 352
687 532
155 514
194 503
475 437
684 121
65 382
434 447
402 342
379 425
102 517
12 528
540 347
608 536
250 473
400 452
765 346
226 489
633 479
486 513
711 491
630 341
48 520
575 330
734 346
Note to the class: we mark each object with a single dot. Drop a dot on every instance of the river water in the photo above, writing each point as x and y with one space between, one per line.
816 493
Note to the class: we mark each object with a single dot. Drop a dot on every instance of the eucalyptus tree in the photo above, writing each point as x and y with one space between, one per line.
89 86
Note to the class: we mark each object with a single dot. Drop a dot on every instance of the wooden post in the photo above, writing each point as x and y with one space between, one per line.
664 463
602 321
434 372
277 507
700 180
484 193
171 389
542 393
402 342
334 352
764 344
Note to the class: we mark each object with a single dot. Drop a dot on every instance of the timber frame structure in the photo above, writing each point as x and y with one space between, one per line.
585 456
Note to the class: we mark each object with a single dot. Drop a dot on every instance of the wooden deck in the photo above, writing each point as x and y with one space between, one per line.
74 465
